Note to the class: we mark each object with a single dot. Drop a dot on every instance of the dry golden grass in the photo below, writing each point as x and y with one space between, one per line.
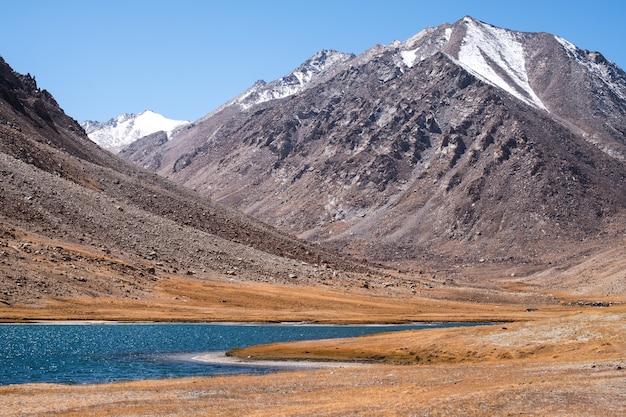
179 299
544 359
586 378
591 335
570 364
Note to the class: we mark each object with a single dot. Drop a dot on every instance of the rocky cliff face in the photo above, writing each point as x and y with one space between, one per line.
467 142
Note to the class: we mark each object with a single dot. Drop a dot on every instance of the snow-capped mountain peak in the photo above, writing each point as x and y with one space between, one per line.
462 131
294 82
122 130
493 54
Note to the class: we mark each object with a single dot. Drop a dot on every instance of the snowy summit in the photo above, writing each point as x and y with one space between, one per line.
294 82
493 54
123 130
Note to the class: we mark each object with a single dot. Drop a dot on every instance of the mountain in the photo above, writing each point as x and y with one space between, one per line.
299 79
77 221
122 130
465 143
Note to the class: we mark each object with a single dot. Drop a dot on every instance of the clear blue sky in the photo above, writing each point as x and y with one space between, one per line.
184 58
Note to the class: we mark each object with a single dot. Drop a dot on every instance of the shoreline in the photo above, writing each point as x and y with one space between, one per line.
220 358
338 323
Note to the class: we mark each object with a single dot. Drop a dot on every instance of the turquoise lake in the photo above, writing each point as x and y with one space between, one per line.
95 353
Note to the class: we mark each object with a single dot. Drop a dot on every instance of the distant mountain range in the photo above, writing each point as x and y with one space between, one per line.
123 130
465 143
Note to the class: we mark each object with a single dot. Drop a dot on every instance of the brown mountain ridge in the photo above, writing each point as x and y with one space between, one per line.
435 150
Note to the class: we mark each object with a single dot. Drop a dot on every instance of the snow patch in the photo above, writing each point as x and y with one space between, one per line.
409 57
420 53
486 48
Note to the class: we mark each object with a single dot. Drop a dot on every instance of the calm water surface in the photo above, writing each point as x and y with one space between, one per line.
90 353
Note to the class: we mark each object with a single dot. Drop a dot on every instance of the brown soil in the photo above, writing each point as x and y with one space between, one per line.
52 279
191 300
507 389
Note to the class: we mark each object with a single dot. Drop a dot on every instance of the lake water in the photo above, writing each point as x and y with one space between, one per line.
91 353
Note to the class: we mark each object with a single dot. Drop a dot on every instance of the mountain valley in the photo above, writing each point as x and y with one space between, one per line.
470 173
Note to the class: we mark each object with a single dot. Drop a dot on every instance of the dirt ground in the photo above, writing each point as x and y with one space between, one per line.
580 388
582 335
201 301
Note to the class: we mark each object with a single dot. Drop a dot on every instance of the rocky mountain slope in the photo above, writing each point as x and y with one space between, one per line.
125 129
76 220
465 143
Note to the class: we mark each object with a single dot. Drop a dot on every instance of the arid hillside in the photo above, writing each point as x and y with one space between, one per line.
77 221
